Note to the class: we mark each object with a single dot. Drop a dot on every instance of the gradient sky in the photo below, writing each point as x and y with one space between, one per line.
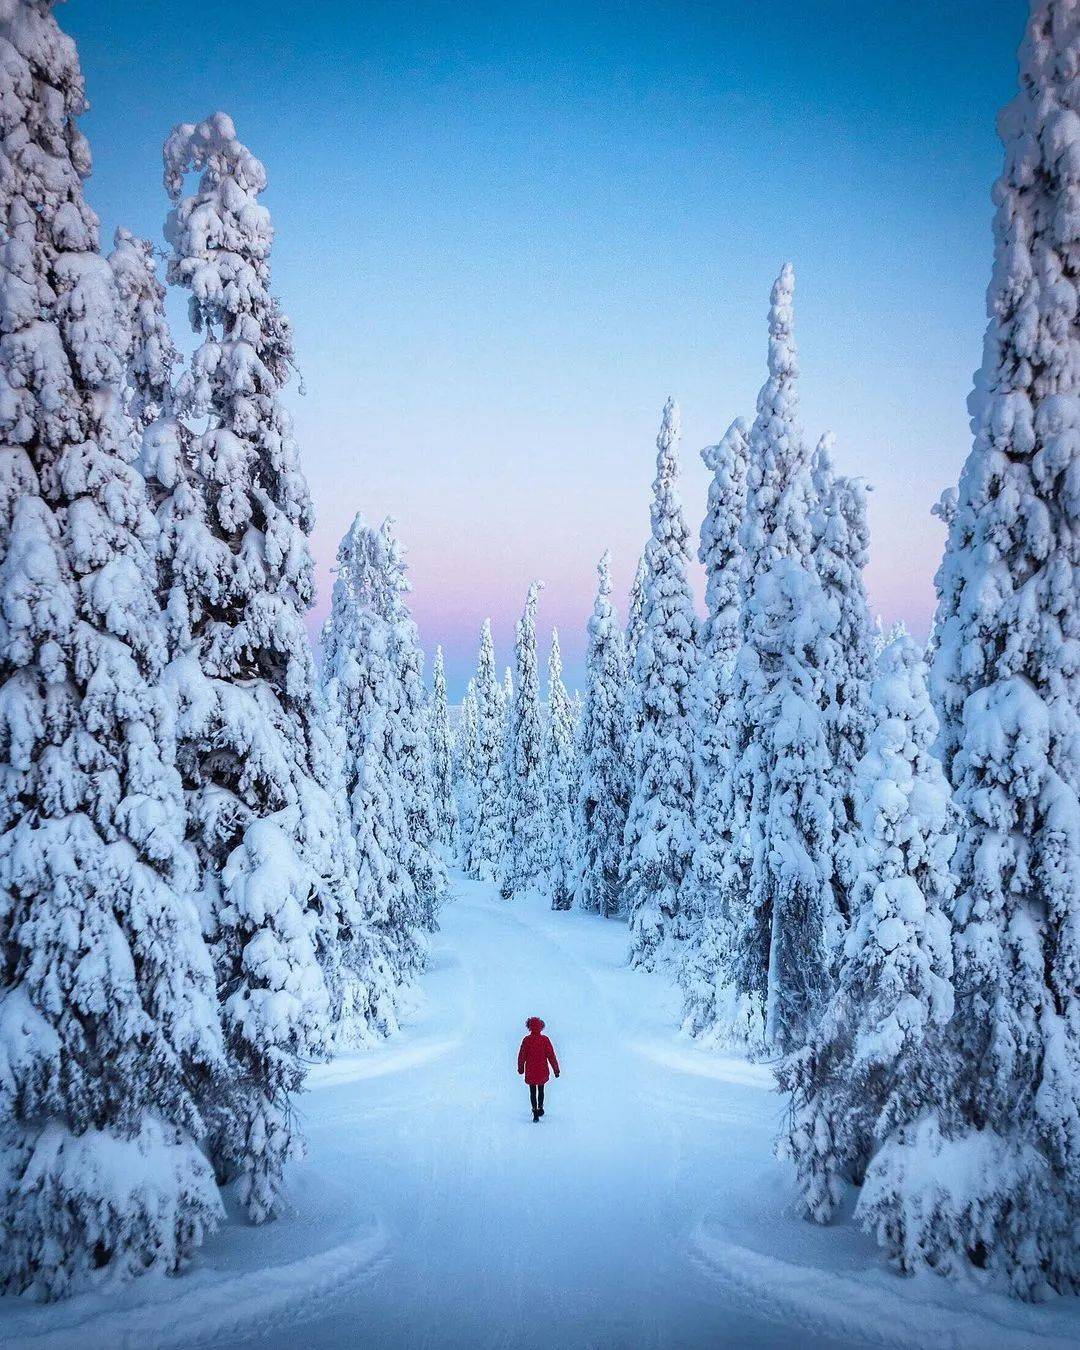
506 232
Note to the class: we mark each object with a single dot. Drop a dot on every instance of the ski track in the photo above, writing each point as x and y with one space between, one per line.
646 1209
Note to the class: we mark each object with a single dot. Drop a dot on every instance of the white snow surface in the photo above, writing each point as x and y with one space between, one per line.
645 1210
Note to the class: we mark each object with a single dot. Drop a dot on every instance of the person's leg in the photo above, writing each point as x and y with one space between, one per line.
532 1096
540 1098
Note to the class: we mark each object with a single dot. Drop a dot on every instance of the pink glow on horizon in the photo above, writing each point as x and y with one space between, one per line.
481 579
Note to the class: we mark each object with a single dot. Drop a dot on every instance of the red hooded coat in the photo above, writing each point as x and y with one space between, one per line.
536 1054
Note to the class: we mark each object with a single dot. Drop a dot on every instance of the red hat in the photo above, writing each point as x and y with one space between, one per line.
535 1023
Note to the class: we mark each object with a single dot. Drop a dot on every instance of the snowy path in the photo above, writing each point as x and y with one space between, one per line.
645 1210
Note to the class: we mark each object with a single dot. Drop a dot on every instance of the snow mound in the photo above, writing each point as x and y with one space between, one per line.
689 1059
377 1063
876 1308
200 1309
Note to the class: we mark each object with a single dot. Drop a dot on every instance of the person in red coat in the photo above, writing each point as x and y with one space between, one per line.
535 1055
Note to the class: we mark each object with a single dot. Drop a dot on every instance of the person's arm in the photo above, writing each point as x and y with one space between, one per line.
551 1058
521 1058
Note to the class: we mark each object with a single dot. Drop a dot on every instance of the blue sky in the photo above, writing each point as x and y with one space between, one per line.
507 232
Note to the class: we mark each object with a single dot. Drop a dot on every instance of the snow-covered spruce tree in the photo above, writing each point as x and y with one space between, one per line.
883 639
635 614
252 750
506 694
561 781
110 1044
367 998
866 1068
841 552
992 1181
777 528
606 774
780 494
657 865
720 551
412 748
442 762
577 716
635 620
506 704
198 573
195 569
466 772
150 355
897 629
945 511
360 980
527 846
791 629
489 818
576 705
386 949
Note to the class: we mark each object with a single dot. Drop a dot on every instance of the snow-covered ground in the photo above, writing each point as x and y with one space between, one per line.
645 1210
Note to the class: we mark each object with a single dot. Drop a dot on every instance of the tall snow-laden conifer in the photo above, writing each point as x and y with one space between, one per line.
577 715
720 551
194 567
466 768
635 620
152 362
659 837
794 915
195 573
993 1180
506 704
506 694
866 1069
385 950
412 746
780 495
359 977
772 852
635 613
110 1044
486 843
561 781
150 355
527 847
606 775
841 552
944 509
442 762
251 747
196 570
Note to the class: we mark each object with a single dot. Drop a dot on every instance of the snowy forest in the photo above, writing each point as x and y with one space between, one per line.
227 854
